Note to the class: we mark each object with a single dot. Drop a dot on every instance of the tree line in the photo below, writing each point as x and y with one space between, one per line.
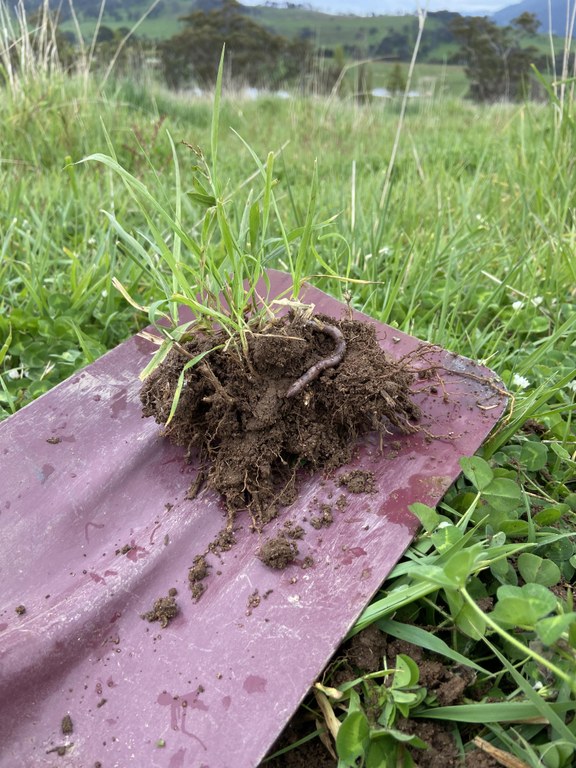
498 60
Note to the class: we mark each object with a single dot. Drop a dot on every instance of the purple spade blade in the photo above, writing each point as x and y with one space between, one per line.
83 475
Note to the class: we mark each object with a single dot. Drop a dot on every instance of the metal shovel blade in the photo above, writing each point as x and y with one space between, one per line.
95 526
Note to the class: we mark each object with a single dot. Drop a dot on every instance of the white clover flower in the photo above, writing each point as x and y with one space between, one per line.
571 385
520 382
537 300
516 305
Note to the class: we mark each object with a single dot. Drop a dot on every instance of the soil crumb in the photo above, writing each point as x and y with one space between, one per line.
278 552
358 481
341 503
60 750
163 610
324 519
196 575
67 725
293 530
20 610
253 602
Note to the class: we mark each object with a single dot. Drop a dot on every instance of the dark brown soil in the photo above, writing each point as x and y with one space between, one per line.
196 575
235 413
358 481
67 725
367 652
278 552
164 609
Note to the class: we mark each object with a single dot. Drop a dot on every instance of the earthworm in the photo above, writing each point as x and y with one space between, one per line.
327 362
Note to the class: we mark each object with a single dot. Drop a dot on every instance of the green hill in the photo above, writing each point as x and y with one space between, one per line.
359 37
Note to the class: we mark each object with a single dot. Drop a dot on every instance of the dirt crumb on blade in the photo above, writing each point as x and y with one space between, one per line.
196 575
164 609
278 552
358 481
67 726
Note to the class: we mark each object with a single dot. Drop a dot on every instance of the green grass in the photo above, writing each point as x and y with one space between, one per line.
471 247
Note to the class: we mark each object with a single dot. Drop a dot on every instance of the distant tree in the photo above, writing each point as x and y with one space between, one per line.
527 22
396 80
394 45
306 33
364 83
105 34
497 63
254 55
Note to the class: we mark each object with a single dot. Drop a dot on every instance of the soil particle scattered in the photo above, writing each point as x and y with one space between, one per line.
101 703
163 611
54 440
223 542
278 552
66 725
358 481
308 562
60 750
20 610
124 550
253 602
292 530
323 520
341 503
196 575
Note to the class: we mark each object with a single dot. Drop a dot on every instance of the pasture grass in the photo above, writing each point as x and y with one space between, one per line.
470 246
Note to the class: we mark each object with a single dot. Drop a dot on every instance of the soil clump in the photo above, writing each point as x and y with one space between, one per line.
278 552
164 609
260 416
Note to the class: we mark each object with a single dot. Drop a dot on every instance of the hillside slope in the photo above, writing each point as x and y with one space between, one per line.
554 18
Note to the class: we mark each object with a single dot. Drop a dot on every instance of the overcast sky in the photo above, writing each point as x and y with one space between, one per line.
366 7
